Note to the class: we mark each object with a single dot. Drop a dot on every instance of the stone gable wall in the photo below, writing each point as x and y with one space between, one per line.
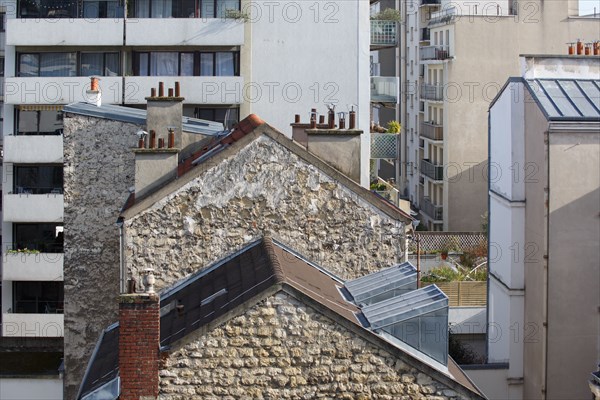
263 189
99 170
282 349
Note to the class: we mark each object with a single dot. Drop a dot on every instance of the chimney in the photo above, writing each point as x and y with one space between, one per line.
93 95
139 345
340 148
157 163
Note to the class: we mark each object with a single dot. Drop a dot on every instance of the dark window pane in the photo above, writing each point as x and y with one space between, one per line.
187 64
225 64
92 63
224 5
164 64
58 64
111 65
39 123
142 8
162 8
29 65
38 179
144 64
47 238
206 64
38 297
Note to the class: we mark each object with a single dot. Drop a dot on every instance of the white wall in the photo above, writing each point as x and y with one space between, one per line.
508 171
304 55
64 32
184 31
36 325
31 388
32 267
33 149
33 207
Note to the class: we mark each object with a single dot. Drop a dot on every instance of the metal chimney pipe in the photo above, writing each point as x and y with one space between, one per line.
171 92
94 84
177 89
161 143
141 143
352 123
313 118
171 138
153 92
342 120
597 48
579 47
297 118
331 118
321 119
152 140
161 89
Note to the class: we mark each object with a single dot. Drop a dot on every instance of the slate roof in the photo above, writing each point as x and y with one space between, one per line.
260 269
567 99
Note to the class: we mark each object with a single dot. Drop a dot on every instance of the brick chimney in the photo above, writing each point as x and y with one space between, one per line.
157 155
139 341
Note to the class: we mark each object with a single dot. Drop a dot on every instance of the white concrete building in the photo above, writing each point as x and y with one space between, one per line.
544 233
275 60
457 56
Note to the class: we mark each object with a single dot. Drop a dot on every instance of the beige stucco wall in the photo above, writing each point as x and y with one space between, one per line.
284 349
573 272
486 54
261 189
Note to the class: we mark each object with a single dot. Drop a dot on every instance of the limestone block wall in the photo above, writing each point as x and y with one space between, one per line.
99 170
263 189
283 349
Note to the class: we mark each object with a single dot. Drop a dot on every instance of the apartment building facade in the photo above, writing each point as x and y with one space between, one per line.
232 58
457 57
544 229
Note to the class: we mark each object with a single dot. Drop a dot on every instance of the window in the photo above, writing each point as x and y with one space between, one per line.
48 64
2 22
38 297
225 115
39 122
182 8
102 64
66 64
186 64
102 9
38 179
47 9
47 238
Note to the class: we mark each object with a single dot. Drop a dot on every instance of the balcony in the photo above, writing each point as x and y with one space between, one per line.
432 92
383 34
37 325
64 32
33 149
59 90
428 208
432 171
384 89
430 3
185 31
29 207
20 266
200 89
432 131
434 53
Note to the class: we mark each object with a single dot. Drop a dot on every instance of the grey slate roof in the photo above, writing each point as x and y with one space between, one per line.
567 99
138 116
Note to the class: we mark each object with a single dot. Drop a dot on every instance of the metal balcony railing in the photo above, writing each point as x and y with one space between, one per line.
432 92
435 172
434 53
432 131
384 33
434 212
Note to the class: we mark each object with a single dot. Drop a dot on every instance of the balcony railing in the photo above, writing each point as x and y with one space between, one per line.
432 131
435 172
384 33
384 89
434 212
434 53
432 92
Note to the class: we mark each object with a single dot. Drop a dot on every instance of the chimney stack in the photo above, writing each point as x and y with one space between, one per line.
93 95
157 164
139 345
